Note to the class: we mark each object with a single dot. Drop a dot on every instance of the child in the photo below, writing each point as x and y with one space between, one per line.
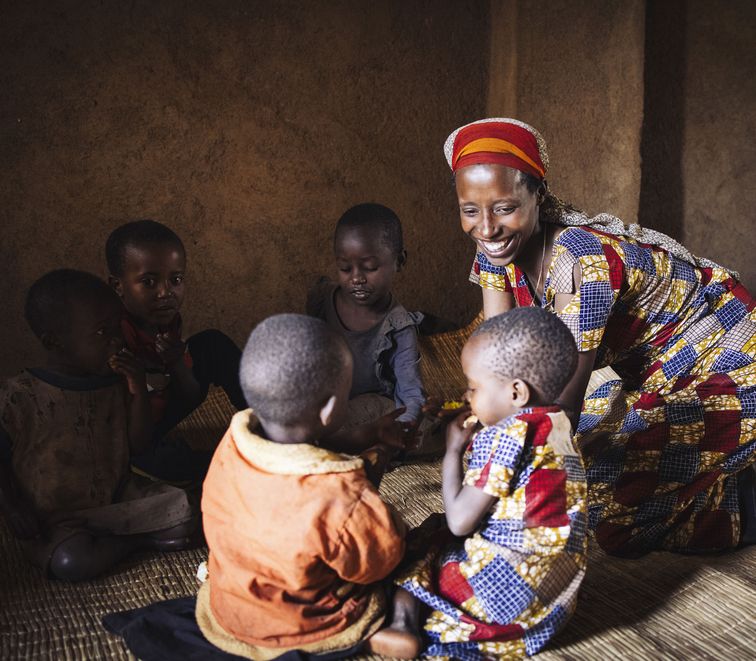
147 264
298 535
506 588
66 433
380 333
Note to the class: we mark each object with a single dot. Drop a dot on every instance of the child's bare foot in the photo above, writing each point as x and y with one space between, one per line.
395 643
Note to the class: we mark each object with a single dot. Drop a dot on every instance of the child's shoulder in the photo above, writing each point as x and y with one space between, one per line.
398 318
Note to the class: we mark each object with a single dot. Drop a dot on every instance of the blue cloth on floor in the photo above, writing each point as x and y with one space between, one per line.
168 631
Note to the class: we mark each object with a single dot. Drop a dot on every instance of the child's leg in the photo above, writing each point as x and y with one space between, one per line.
215 360
401 639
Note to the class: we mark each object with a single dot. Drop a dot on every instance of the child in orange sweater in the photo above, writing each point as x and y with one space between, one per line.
299 538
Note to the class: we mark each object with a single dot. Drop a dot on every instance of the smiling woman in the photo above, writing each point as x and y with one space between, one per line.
668 445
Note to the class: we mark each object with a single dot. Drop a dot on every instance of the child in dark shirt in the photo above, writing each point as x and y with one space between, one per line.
67 431
380 333
147 264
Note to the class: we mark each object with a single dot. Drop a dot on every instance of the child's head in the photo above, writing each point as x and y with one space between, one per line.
77 318
369 249
296 372
524 357
147 262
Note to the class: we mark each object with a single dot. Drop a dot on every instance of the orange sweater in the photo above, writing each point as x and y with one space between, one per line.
297 534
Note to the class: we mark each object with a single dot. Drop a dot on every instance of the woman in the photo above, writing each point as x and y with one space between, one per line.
664 443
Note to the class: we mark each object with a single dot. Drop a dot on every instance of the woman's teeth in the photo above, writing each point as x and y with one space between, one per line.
496 246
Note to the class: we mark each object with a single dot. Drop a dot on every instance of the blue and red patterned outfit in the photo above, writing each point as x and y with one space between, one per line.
663 444
507 589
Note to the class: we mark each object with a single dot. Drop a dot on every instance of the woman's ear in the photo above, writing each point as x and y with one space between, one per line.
401 260
326 412
541 193
116 286
520 393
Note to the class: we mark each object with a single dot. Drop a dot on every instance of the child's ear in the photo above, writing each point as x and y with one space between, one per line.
116 285
326 413
520 393
401 260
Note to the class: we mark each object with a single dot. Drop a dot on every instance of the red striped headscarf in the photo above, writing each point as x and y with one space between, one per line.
501 141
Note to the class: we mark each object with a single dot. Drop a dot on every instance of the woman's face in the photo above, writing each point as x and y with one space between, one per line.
496 210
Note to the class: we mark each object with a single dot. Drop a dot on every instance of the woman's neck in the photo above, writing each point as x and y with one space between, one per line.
536 258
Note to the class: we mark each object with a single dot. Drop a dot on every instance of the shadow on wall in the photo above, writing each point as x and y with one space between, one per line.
662 203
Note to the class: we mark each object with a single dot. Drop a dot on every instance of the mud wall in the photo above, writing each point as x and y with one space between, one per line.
248 127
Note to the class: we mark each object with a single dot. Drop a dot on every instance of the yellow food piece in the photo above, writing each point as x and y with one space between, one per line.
451 405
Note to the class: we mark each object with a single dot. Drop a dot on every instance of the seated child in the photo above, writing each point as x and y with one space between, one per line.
511 583
380 333
66 434
147 264
298 536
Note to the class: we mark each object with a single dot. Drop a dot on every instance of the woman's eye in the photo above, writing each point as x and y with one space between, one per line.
470 212
503 211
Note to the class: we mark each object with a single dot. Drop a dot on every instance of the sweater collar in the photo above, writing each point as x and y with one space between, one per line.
285 458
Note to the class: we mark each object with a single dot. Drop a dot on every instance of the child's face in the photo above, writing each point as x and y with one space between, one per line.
491 398
496 210
366 267
152 283
93 336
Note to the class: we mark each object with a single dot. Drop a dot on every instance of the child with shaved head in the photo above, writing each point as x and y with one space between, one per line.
299 537
501 578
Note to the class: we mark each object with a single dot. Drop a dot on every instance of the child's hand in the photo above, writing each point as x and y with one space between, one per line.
126 364
458 435
22 520
171 350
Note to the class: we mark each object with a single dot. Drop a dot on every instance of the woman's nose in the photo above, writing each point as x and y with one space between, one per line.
487 224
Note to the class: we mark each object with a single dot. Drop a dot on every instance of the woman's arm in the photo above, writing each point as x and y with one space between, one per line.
465 506
495 302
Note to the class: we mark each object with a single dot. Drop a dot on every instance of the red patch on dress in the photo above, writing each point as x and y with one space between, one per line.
655 437
634 488
721 431
546 499
701 483
452 585
716 384
493 632
616 267
712 531
648 401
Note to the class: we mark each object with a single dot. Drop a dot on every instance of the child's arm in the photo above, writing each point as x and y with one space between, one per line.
17 511
140 412
172 352
405 364
465 505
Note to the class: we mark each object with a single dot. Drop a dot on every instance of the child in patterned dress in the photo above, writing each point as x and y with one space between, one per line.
504 577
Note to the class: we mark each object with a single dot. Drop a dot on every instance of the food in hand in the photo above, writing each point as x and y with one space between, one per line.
471 421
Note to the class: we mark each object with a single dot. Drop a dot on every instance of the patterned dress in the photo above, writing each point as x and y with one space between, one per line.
662 445
507 589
